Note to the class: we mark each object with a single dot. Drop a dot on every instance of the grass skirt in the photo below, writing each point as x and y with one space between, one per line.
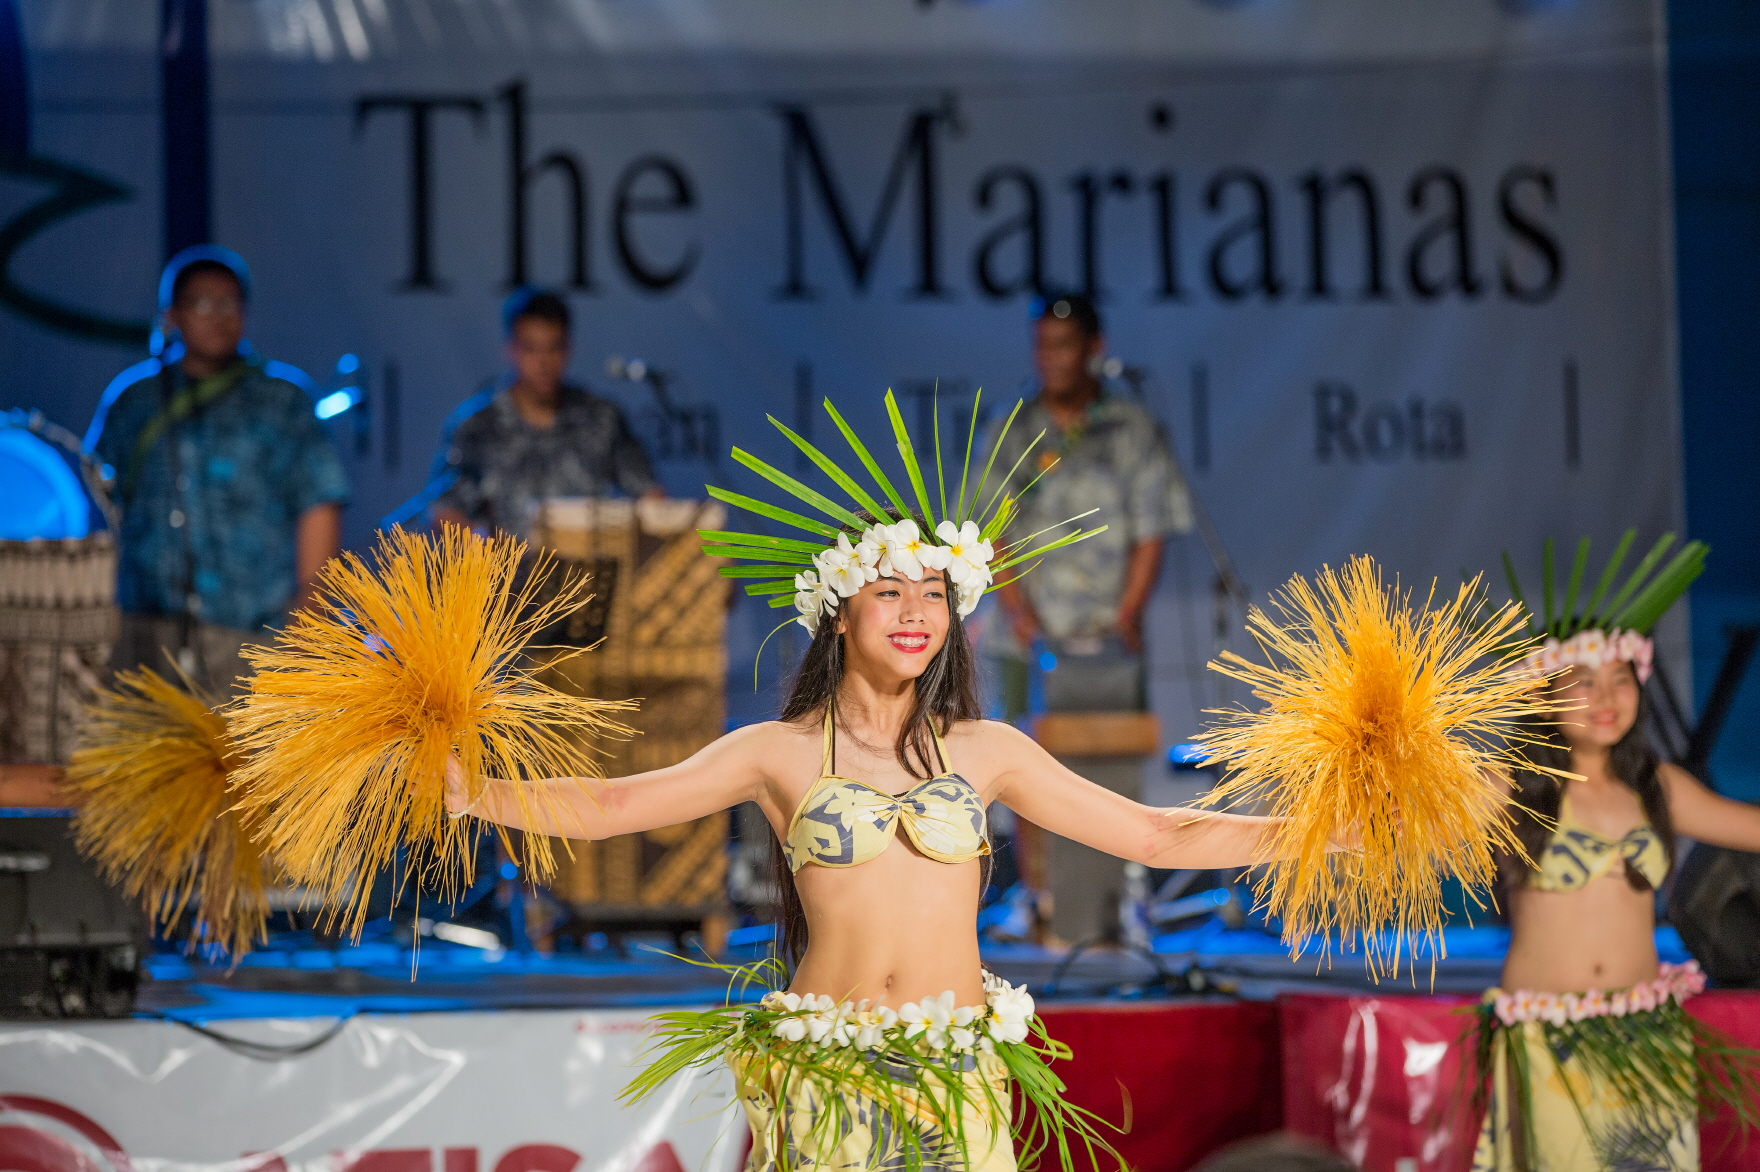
1604 1080
931 1087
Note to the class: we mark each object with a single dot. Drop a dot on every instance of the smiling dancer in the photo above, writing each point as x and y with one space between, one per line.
1590 1060
892 1046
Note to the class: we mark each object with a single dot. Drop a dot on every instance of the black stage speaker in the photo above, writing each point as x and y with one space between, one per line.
1716 907
70 946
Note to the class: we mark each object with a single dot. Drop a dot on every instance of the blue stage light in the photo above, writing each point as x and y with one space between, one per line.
43 497
288 372
756 934
112 391
348 364
335 403
1187 756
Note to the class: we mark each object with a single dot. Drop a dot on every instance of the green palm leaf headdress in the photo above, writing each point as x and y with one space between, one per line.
1611 623
959 529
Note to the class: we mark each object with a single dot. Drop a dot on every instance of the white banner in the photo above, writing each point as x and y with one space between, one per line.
435 1092
1397 282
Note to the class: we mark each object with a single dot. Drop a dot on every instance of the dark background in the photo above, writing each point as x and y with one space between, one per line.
1714 51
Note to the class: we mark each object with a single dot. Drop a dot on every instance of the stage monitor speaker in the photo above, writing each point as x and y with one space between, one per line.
1715 906
70 945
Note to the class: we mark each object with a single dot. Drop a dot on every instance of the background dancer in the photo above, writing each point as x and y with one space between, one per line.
1589 1001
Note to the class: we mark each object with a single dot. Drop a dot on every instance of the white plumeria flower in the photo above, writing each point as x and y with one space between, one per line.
929 1018
790 1029
968 556
812 598
871 549
1011 1007
970 596
962 1038
844 1026
908 554
842 568
819 1025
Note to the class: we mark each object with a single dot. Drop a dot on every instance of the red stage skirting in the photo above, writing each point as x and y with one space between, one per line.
1373 1077
1197 1075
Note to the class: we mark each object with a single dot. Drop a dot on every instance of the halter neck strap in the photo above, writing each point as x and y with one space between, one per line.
828 749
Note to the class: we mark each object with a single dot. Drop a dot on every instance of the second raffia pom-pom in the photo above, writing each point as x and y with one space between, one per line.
355 707
1383 729
152 774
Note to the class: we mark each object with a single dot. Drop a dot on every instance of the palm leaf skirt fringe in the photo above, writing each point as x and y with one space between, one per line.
1607 1091
826 1096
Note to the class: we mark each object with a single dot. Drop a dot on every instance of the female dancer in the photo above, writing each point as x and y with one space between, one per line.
880 734
892 1047
1591 1061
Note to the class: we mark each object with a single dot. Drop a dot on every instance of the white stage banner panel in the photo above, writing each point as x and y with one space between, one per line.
1396 278
439 1092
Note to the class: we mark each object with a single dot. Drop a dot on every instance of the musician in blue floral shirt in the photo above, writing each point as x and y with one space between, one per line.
230 492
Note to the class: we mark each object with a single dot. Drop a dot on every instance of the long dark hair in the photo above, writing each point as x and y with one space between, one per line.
1631 760
946 692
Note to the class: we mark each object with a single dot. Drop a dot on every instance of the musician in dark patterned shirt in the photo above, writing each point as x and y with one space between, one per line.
538 437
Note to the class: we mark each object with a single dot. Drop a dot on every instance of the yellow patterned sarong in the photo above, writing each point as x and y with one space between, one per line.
1582 1082
1574 1121
862 1134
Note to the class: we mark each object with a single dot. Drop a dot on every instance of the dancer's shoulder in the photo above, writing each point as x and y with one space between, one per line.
986 735
774 736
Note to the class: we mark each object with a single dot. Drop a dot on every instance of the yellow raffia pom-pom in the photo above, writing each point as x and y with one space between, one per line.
1383 730
353 710
152 774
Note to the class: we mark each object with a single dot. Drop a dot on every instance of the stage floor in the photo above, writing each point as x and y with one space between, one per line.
390 978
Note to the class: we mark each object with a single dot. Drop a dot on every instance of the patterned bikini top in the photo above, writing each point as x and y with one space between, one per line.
1577 854
844 823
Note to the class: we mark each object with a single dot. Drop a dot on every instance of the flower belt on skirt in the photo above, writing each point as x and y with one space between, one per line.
1604 1079
842 1085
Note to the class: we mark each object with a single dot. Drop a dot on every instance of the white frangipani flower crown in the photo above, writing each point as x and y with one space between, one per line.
892 539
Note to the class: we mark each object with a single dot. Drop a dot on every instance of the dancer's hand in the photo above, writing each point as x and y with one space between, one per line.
1349 840
458 799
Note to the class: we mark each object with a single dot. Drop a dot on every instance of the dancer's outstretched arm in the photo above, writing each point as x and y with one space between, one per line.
1708 817
721 774
1034 785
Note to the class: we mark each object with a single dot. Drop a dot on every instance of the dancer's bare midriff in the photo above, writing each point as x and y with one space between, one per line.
1599 937
894 930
